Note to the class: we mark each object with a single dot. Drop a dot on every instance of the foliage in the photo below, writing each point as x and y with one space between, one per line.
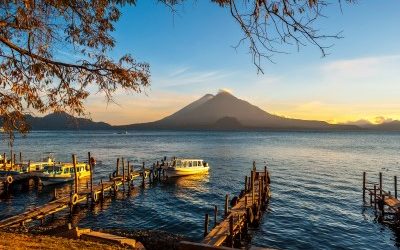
33 32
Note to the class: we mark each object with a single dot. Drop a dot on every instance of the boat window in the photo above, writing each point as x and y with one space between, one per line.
66 171
195 164
190 164
178 163
71 170
199 164
184 164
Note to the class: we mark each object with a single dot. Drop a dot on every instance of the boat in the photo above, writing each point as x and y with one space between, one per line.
63 172
13 168
183 167
47 160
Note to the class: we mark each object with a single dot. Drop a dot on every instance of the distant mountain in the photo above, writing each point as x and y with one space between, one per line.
64 121
211 112
386 126
225 111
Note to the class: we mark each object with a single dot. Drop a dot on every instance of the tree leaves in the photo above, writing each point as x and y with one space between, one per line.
32 76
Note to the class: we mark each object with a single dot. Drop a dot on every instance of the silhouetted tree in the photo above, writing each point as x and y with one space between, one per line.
33 33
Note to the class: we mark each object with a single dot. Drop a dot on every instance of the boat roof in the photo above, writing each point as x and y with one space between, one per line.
182 159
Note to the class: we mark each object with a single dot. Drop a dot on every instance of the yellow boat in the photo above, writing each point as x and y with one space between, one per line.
63 172
182 167
48 160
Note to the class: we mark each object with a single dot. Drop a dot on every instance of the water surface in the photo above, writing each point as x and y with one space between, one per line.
316 182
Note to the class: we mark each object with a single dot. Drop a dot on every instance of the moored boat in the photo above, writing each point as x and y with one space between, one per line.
63 172
47 160
182 167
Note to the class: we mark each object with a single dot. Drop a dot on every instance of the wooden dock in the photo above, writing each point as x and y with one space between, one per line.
93 192
245 212
385 203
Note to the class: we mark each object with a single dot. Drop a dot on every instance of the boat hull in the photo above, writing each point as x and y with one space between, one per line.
173 172
46 181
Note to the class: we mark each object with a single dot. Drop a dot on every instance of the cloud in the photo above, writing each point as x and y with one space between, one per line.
225 90
382 119
360 67
179 71
187 77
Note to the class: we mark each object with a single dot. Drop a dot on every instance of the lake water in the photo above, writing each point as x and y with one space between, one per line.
316 182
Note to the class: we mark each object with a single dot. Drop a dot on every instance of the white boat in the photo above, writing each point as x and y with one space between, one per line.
64 172
182 167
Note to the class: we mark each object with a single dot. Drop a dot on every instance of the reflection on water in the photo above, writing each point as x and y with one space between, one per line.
195 182
316 182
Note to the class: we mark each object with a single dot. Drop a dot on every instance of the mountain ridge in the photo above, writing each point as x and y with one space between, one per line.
205 113
222 111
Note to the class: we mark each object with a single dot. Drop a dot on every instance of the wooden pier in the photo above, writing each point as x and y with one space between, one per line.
93 192
245 212
385 203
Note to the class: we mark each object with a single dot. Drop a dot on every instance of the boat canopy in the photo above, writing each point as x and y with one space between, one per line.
64 169
188 163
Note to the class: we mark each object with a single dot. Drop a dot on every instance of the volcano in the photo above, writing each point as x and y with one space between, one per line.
224 111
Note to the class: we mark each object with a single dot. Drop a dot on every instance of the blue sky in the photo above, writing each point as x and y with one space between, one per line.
190 53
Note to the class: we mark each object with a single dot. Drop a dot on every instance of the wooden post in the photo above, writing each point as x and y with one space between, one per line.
143 174
29 166
91 174
206 225
395 186
259 191
265 173
55 193
75 173
102 190
364 177
231 231
117 170
254 166
245 184
380 184
123 172
245 201
252 186
226 204
215 215
375 196
383 206
129 174
20 157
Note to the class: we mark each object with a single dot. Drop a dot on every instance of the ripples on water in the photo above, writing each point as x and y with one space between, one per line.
316 182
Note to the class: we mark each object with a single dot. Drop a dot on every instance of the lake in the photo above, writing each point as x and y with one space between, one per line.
316 182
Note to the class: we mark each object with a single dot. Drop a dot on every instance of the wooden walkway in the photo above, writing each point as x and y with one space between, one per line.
385 202
246 211
96 192
60 204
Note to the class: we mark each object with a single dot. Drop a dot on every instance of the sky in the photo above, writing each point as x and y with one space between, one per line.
191 53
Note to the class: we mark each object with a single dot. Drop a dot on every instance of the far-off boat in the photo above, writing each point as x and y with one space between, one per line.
182 167
63 172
